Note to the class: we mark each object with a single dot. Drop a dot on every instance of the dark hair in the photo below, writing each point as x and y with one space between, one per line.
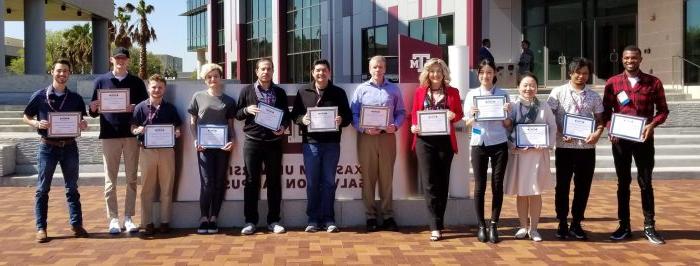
157 78
484 41
578 63
266 59
321 62
526 42
525 75
61 61
632 48
485 63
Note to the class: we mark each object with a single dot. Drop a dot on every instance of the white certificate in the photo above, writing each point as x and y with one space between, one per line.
159 136
531 135
212 136
113 100
374 117
269 116
627 127
64 124
433 122
322 119
578 127
490 107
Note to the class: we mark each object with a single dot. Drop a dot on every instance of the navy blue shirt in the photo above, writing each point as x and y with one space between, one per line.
118 125
147 114
38 105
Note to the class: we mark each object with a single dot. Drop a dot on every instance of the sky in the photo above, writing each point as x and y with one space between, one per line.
171 29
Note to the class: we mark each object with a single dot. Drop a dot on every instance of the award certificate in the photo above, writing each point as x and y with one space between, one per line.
269 116
159 136
64 124
433 122
531 135
627 127
374 117
578 127
490 108
212 136
113 100
322 119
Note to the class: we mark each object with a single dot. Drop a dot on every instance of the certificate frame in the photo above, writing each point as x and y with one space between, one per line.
276 124
478 117
638 135
366 108
521 127
422 114
147 141
53 116
334 109
100 98
215 145
565 123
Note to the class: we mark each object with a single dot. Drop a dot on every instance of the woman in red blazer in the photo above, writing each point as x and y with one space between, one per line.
435 152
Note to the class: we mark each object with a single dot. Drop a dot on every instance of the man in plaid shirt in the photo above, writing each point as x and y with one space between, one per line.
635 93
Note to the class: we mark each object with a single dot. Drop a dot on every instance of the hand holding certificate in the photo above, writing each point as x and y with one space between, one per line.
322 119
64 124
490 108
212 136
269 116
113 100
578 127
531 135
627 127
374 117
434 122
159 136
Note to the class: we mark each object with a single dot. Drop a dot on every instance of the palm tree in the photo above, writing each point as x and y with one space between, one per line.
119 33
143 34
79 46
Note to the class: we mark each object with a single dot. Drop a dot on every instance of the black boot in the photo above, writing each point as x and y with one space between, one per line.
493 233
481 234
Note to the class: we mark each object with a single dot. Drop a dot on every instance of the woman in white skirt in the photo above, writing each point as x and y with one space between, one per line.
527 174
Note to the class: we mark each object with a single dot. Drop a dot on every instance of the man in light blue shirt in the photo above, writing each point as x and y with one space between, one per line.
376 146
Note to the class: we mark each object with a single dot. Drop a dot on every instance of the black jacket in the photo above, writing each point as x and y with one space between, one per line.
252 129
333 96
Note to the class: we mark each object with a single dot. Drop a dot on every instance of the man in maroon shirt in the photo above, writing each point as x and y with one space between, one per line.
635 93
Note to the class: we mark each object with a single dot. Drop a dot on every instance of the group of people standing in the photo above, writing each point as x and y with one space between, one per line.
524 172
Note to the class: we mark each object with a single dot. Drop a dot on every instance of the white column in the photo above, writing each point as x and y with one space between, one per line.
100 46
34 37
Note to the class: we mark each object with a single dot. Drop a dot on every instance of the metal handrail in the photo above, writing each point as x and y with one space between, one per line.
681 82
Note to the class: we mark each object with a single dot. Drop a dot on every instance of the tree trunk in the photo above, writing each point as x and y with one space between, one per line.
142 62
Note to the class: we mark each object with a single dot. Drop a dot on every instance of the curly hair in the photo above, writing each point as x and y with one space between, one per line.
423 78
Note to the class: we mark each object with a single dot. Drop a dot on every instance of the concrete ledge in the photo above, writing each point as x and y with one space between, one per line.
7 159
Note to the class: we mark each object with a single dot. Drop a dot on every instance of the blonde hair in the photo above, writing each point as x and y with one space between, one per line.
423 78
377 58
209 67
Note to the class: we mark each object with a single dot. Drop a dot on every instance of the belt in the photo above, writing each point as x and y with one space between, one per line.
57 143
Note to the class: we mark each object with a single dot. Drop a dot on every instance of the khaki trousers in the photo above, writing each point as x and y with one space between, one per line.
112 150
157 171
377 155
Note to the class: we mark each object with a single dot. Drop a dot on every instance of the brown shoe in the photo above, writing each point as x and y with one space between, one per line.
79 231
149 230
164 228
41 236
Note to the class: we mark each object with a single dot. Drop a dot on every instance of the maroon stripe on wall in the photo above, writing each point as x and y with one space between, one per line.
420 8
282 41
240 69
473 30
393 30
439 7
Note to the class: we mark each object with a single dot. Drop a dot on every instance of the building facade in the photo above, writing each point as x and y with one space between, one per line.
170 62
293 33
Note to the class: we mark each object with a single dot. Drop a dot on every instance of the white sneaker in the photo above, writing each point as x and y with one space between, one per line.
332 228
521 233
276 228
311 228
114 226
535 236
248 229
129 225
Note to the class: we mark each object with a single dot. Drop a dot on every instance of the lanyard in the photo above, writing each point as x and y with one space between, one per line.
49 90
318 93
579 107
152 112
266 96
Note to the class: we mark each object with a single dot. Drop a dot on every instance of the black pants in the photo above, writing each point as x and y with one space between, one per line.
643 154
480 156
255 154
213 167
434 155
579 164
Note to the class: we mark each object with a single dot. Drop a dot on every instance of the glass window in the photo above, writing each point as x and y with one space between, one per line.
415 29
430 30
446 32
304 38
534 13
565 12
692 38
259 35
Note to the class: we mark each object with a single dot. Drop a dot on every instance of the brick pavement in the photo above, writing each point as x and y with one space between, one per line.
677 201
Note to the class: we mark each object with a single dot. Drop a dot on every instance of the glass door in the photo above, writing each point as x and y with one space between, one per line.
563 44
612 34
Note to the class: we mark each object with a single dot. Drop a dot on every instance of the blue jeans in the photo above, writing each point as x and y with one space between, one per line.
49 156
320 162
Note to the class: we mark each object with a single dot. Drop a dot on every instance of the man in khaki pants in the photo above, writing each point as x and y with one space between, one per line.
376 146
117 139
157 157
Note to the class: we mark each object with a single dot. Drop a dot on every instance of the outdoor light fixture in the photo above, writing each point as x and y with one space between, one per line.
63 7
9 11
80 13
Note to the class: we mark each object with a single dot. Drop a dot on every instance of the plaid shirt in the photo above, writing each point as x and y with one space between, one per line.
644 96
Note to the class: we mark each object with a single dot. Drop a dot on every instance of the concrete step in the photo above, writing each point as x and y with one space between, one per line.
25 128
660 172
670 149
12 107
4 121
607 161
